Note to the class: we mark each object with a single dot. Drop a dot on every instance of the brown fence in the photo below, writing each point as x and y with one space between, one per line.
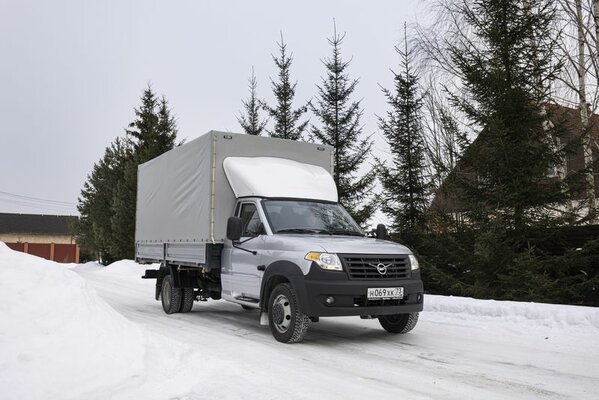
62 253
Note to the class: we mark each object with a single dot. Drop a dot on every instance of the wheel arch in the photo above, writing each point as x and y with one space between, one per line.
282 272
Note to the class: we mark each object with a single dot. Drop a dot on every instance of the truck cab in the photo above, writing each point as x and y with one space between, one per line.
318 263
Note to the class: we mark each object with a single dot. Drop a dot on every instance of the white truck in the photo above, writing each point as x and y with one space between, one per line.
256 221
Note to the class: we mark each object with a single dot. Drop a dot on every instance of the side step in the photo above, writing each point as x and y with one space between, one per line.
246 299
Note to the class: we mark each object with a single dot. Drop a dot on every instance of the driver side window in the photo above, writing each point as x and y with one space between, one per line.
250 220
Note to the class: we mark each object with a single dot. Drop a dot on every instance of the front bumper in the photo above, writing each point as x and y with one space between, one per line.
350 295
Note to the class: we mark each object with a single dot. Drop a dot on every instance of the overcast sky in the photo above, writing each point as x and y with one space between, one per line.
72 71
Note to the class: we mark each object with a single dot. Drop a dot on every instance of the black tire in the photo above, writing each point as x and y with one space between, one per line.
399 323
287 323
247 308
170 296
187 299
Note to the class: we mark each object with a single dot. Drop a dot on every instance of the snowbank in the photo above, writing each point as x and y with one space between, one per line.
58 338
122 268
550 315
128 268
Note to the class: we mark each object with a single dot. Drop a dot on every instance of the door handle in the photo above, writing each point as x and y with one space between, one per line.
261 267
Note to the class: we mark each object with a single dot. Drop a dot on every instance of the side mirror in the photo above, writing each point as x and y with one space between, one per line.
381 231
234 228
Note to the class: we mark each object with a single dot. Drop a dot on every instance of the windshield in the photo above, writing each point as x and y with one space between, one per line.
293 216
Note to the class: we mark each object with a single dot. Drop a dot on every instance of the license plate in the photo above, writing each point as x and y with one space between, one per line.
385 293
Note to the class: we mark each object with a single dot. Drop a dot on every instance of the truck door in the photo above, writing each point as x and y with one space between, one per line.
245 277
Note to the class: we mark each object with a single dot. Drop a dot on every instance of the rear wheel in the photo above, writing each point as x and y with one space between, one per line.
170 296
187 299
399 323
287 323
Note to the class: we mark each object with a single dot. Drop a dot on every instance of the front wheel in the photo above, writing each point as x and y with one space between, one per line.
399 323
287 323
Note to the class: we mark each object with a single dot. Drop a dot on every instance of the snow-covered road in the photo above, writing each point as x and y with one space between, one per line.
449 355
108 338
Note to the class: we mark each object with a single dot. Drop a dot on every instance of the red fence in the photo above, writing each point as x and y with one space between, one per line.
63 253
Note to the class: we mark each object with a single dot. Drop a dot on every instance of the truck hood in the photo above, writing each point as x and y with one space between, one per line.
340 244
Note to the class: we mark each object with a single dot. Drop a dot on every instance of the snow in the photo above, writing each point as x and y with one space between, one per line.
87 331
517 313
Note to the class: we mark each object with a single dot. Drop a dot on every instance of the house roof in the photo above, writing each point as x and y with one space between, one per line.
37 224
569 120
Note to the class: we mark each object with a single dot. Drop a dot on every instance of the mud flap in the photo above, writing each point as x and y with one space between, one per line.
263 318
161 274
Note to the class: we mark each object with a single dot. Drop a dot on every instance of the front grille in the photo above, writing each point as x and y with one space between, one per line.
364 266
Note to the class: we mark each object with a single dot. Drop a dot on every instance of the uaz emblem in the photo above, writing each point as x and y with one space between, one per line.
381 268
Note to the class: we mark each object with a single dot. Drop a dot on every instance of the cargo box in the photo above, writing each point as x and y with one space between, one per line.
184 198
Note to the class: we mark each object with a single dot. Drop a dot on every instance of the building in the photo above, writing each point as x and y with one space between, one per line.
445 199
47 236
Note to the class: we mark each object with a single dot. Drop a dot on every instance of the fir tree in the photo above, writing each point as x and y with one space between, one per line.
503 52
152 133
154 130
250 122
340 128
108 199
94 231
445 141
124 204
506 70
167 130
405 188
287 123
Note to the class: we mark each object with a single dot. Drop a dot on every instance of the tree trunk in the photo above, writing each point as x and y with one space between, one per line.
584 111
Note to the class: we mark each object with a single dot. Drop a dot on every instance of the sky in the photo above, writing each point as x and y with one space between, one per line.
71 73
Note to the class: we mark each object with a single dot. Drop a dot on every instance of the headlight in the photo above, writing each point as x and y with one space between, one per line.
414 262
326 261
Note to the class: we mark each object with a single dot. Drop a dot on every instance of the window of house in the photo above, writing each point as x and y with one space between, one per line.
557 170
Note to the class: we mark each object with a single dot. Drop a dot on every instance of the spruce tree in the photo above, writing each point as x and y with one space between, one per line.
445 140
503 52
152 133
124 204
405 194
250 121
167 130
506 70
108 198
154 130
94 231
339 118
287 123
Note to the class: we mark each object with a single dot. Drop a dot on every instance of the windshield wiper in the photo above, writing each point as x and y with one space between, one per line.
320 231
297 230
346 233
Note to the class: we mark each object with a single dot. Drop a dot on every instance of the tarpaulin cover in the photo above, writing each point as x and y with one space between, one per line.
184 196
